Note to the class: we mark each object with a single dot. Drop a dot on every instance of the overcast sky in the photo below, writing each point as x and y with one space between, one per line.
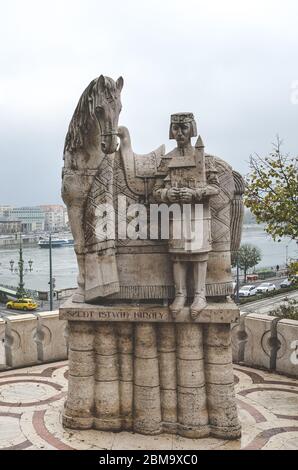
231 63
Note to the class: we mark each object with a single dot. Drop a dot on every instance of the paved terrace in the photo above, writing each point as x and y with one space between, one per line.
31 400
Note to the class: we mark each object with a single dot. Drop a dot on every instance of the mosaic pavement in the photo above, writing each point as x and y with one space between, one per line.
31 401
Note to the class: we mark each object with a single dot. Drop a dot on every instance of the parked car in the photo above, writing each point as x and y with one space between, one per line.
247 291
22 304
287 282
266 287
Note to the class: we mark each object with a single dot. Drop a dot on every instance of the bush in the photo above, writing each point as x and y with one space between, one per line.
288 310
266 274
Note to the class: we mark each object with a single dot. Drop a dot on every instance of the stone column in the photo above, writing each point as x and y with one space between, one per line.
125 354
80 399
168 377
147 409
222 407
107 399
192 403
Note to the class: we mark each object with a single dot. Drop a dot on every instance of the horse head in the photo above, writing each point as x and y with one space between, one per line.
98 108
106 105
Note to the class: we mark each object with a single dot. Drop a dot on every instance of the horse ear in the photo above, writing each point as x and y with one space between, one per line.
119 83
102 82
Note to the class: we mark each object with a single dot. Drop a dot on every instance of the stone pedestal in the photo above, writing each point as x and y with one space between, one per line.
131 367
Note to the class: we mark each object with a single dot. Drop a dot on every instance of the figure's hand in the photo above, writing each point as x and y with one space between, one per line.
173 194
186 195
200 193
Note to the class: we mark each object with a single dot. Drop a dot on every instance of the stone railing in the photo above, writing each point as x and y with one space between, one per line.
258 341
28 339
266 342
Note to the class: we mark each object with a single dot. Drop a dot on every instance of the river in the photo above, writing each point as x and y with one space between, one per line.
273 253
65 266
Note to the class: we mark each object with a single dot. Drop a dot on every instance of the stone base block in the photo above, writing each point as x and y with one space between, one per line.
108 424
226 432
147 432
76 422
169 428
196 432
127 423
149 377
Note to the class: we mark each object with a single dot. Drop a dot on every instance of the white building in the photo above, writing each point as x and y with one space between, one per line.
9 225
55 217
32 218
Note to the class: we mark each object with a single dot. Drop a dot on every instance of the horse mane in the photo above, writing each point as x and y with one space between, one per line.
84 114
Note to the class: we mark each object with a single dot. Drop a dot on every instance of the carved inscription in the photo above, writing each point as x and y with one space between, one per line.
118 315
214 313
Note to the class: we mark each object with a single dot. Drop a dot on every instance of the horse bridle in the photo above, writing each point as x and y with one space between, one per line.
108 134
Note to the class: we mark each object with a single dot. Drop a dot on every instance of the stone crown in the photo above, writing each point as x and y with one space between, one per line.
182 117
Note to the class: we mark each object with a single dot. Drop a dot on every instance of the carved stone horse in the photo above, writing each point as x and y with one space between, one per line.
90 141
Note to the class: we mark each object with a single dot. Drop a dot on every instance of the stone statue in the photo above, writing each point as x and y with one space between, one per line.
187 181
136 363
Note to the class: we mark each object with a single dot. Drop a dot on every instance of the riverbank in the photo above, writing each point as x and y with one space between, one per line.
31 239
13 240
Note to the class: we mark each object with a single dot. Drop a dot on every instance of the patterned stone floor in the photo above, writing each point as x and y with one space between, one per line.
31 401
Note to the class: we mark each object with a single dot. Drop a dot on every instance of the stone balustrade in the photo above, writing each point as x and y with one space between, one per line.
266 342
258 341
28 339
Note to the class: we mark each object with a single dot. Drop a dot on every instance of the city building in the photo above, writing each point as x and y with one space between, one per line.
55 217
5 210
32 218
9 225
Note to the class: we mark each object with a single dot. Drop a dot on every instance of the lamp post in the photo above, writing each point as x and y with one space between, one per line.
20 270
51 272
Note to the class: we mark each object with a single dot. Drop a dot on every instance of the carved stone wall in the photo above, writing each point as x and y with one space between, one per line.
266 342
28 339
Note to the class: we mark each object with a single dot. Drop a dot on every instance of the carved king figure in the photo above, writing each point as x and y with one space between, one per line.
188 181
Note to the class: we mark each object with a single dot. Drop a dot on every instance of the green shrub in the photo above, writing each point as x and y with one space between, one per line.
288 310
